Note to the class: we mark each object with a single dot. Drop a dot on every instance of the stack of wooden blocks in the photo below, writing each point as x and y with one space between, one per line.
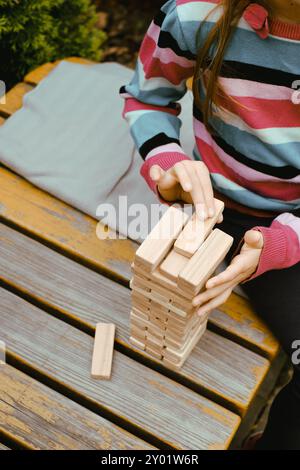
170 268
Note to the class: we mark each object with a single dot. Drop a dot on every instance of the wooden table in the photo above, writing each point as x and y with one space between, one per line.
57 281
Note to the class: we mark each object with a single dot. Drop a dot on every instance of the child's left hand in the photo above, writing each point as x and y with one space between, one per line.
219 288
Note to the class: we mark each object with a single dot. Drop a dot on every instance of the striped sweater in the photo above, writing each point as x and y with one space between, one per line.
253 147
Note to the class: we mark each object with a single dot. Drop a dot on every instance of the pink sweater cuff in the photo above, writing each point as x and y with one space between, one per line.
165 160
274 253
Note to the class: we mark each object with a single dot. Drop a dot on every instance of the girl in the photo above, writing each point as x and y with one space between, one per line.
245 58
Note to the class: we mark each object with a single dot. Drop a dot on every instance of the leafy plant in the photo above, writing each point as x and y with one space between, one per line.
33 32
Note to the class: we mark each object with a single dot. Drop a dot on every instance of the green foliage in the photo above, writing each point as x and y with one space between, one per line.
33 32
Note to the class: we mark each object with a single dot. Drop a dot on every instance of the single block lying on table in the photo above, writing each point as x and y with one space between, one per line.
103 350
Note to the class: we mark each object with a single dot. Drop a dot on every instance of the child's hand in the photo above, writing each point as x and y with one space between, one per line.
188 181
241 268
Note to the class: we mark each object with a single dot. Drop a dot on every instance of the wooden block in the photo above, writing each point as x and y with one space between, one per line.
179 342
161 239
141 283
154 342
141 328
138 321
172 354
141 310
196 231
162 313
157 277
156 332
187 307
172 265
160 323
140 300
144 328
166 296
137 333
156 307
173 307
153 352
168 321
171 365
161 300
137 344
103 350
205 261
157 280
181 333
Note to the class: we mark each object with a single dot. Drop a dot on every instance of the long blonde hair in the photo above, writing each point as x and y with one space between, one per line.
209 68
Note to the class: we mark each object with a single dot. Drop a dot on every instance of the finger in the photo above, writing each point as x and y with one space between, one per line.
235 269
220 219
167 180
182 176
207 190
156 172
215 303
209 294
197 193
254 238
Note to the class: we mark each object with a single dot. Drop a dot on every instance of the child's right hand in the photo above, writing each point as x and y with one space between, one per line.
188 181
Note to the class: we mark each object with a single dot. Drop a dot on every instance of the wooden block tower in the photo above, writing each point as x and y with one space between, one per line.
170 268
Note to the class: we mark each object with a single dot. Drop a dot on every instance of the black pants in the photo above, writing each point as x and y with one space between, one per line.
275 296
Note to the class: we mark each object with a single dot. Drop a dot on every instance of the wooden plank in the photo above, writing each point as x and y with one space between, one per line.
78 60
139 397
14 99
196 231
237 317
160 240
86 298
2 121
36 417
63 227
70 288
35 76
103 350
205 261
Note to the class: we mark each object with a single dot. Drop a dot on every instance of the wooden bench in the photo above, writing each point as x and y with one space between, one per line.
57 281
